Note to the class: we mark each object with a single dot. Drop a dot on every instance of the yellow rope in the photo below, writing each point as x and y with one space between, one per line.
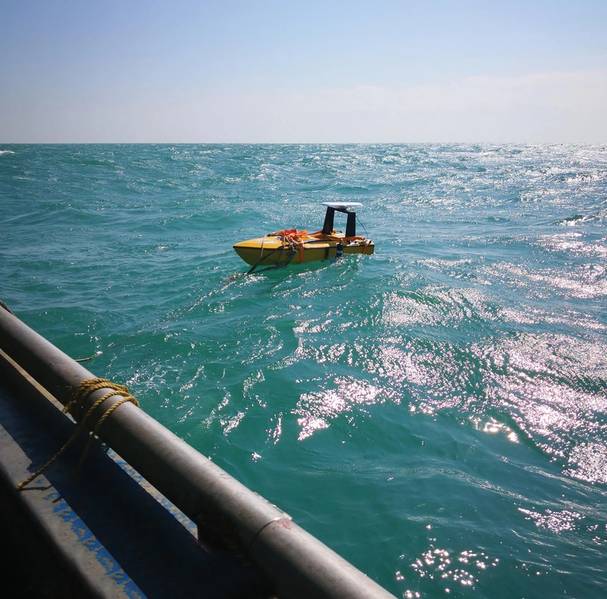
85 389
125 399
89 386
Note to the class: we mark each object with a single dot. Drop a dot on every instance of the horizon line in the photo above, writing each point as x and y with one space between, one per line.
297 143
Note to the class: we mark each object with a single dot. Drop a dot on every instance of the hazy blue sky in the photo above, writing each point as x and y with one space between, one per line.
230 71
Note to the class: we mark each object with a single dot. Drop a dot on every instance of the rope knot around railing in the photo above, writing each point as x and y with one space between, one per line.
80 393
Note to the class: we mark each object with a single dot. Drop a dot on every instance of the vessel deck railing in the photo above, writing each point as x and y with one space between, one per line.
227 513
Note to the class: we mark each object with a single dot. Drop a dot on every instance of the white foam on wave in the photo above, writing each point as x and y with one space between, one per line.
6 152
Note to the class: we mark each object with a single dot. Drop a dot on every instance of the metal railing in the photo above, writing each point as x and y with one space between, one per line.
226 512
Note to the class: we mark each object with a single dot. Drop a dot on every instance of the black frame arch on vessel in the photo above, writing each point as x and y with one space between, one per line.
327 227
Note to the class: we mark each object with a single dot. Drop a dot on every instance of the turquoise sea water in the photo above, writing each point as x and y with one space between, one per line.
435 412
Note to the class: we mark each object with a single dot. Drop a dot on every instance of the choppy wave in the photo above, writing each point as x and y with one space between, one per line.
445 399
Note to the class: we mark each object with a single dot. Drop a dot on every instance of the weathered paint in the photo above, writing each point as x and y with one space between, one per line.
85 537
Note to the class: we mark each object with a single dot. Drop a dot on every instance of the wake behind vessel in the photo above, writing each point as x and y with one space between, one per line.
298 246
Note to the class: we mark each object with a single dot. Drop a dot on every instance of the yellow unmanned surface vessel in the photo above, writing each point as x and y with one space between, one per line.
296 246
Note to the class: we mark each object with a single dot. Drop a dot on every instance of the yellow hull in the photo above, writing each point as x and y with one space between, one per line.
272 250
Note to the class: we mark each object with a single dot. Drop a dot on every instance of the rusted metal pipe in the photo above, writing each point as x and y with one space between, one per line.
296 563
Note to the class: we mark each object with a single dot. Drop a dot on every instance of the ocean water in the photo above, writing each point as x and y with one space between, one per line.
435 412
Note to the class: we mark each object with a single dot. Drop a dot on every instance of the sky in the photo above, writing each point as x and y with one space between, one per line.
230 71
